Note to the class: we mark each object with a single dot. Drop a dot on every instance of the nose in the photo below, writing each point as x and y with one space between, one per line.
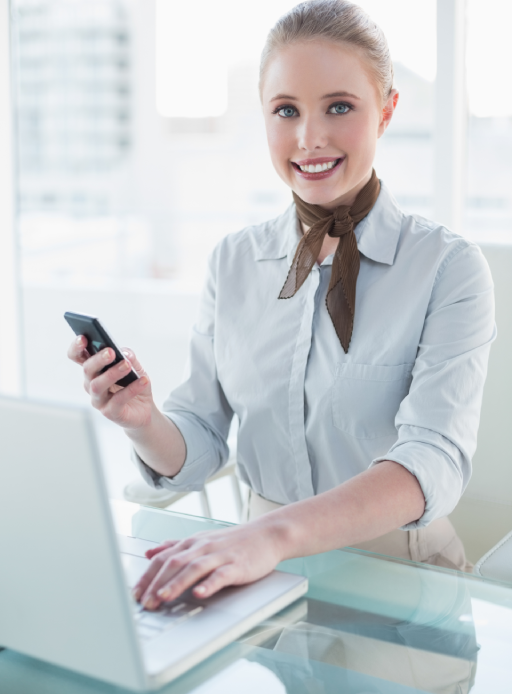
312 134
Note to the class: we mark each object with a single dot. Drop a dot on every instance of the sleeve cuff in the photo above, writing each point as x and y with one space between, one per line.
436 473
196 468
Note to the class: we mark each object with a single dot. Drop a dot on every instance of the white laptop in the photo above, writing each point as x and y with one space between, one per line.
65 575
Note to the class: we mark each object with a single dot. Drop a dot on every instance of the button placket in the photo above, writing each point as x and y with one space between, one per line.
304 484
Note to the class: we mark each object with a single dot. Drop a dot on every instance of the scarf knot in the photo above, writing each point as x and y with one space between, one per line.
340 223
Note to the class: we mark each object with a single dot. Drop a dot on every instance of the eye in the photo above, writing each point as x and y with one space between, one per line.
286 111
339 109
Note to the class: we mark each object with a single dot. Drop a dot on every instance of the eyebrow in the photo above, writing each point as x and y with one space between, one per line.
325 96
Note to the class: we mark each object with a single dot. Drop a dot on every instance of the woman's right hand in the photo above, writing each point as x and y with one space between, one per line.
130 407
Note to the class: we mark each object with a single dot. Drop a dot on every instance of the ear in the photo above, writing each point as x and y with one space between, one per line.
387 111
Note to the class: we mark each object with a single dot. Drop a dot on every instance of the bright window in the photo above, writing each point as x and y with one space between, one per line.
488 214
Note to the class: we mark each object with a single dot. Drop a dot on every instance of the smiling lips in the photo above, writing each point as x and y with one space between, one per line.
317 169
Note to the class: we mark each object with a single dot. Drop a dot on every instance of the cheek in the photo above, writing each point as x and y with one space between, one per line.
278 144
362 137
361 142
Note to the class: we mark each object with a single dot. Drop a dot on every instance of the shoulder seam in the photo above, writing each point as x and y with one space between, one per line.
460 247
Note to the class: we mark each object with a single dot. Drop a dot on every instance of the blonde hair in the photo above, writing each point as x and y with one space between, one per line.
337 21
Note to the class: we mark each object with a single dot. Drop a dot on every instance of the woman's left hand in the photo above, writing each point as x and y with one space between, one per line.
210 561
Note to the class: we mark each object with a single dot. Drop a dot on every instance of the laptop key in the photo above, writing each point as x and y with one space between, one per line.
180 607
146 632
196 610
151 624
156 621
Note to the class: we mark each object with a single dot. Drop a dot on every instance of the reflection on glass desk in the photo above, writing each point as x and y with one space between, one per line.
368 624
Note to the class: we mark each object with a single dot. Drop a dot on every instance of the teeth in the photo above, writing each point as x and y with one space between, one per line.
312 168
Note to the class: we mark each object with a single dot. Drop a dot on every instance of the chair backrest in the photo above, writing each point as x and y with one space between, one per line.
492 474
484 514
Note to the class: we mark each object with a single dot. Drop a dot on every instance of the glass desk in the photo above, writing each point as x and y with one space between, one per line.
368 624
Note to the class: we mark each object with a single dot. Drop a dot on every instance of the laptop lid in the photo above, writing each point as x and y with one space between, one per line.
62 590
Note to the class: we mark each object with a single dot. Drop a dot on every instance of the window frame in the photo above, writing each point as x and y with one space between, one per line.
450 114
11 343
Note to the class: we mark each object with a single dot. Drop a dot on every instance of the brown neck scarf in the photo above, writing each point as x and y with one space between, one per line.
341 295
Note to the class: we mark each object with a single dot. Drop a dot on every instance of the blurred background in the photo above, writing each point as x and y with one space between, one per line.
139 143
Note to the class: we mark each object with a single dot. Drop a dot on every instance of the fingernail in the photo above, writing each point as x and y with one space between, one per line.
124 366
144 380
79 340
106 355
200 590
164 593
136 593
150 603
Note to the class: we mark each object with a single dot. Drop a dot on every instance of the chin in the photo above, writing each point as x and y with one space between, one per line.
318 197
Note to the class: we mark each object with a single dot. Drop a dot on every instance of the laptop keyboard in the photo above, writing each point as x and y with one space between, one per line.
152 624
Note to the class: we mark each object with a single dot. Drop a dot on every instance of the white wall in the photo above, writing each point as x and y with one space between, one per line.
154 319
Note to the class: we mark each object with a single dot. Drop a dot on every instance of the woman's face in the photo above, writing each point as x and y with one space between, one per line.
322 109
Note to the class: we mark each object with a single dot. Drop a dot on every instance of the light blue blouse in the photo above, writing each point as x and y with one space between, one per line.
311 416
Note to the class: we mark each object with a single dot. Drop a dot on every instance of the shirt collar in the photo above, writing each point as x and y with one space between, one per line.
377 234
279 237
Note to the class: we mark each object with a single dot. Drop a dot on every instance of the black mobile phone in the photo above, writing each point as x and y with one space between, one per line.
98 339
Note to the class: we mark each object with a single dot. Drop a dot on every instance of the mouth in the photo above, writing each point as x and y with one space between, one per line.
315 169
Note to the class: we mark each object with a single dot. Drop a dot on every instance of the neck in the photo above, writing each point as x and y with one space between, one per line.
329 245
349 197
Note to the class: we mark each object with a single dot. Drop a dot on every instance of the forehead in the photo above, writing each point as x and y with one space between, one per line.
314 68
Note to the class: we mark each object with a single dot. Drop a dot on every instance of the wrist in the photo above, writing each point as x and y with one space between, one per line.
280 534
148 427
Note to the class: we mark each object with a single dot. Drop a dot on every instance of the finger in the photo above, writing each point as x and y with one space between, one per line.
96 363
156 564
99 387
130 355
114 403
77 351
169 568
145 580
103 381
184 579
150 553
134 364
223 576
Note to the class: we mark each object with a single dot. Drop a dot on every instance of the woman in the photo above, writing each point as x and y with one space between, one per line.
358 410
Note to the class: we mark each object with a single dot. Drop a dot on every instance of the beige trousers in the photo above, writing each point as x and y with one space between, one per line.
437 544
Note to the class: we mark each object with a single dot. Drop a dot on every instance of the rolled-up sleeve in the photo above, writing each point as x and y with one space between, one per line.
437 422
198 406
